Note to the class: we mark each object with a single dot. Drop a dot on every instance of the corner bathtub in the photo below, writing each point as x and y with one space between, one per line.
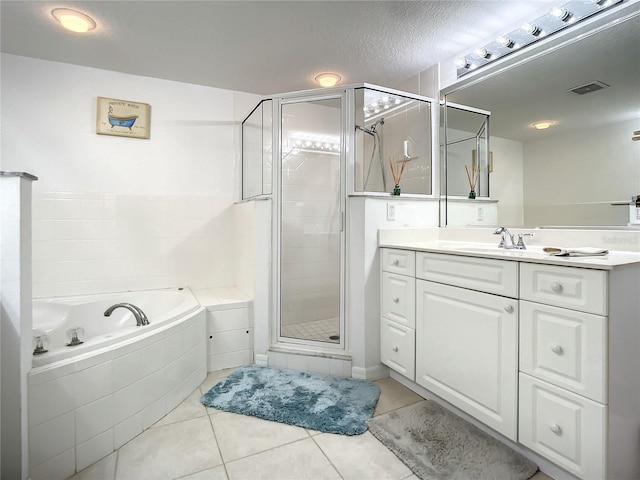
55 317
95 397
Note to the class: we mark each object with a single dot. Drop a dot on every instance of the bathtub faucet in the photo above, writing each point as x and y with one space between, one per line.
141 318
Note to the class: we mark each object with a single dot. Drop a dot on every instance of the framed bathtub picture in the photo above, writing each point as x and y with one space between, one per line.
123 118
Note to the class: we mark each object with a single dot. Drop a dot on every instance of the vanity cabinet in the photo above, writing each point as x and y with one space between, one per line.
467 335
563 366
545 354
397 306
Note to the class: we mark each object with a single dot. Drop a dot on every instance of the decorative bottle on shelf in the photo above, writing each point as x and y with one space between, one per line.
472 194
396 190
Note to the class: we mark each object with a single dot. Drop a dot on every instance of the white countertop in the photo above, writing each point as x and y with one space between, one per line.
533 254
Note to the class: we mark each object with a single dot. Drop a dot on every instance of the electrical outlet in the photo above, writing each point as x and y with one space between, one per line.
391 212
480 214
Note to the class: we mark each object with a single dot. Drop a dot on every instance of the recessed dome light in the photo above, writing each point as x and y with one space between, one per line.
328 79
543 124
73 20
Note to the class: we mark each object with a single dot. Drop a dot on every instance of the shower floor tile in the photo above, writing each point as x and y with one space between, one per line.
317 330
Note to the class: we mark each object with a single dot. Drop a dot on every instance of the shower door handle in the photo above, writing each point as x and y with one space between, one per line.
342 221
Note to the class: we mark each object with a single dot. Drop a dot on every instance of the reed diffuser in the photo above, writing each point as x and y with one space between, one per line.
397 169
472 175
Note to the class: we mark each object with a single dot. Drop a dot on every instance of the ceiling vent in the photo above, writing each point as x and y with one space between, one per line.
589 87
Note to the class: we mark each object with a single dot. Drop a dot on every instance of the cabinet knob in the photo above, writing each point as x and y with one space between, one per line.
555 428
556 287
555 348
395 349
396 262
396 300
508 308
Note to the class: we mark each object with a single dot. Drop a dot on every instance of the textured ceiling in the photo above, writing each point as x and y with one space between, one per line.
262 47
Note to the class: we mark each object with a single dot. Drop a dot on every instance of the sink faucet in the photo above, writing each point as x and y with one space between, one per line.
507 240
139 315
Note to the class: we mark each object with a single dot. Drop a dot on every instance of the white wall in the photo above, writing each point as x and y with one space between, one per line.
114 213
366 216
506 181
564 185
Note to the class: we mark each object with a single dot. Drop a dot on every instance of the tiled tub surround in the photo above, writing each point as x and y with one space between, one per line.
84 407
229 327
86 243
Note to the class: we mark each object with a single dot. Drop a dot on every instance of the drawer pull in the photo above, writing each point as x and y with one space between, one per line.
396 262
396 300
555 428
556 287
395 349
508 308
557 349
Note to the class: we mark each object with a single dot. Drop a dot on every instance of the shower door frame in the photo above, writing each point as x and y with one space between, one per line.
279 102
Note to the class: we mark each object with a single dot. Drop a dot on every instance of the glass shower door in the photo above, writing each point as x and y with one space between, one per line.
311 222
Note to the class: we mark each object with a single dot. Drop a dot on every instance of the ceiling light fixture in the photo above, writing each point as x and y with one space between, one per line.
73 20
532 29
552 21
562 13
543 124
328 79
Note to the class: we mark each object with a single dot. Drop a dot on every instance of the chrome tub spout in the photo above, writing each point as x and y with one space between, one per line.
139 315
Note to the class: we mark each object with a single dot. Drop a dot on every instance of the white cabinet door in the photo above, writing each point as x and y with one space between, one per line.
466 351
565 347
398 298
568 429
397 347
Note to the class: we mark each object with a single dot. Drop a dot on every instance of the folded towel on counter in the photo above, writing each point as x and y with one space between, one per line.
575 252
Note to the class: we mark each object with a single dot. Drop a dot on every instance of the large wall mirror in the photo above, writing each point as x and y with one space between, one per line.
583 169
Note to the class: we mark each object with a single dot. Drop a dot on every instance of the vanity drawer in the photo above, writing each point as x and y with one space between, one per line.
568 429
565 347
399 261
482 274
397 347
576 288
398 299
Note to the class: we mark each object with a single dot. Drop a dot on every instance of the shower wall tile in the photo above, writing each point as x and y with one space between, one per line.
60 466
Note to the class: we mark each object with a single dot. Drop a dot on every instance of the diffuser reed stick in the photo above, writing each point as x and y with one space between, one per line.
472 176
397 169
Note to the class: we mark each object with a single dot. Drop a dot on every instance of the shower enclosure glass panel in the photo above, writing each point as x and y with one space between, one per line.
467 144
389 128
311 221
257 151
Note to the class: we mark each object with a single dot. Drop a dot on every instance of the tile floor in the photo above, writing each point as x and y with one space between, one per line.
317 330
194 442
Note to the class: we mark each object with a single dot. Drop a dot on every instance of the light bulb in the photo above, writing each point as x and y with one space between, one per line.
73 20
328 79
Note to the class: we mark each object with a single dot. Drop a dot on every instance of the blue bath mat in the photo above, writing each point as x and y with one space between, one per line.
319 402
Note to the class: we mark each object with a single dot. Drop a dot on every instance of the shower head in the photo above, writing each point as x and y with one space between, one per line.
372 129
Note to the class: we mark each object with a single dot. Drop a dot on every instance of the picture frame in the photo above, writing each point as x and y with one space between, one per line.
123 118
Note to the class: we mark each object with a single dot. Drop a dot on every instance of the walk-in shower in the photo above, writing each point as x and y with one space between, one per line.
310 152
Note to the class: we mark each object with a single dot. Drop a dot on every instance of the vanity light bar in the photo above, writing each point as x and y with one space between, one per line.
555 20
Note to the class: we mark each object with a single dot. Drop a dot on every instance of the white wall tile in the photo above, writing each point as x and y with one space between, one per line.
51 438
127 402
94 418
50 399
93 383
319 365
153 412
229 360
59 467
225 342
126 430
94 449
